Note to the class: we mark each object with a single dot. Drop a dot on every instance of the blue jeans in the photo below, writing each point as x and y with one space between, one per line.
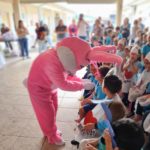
24 47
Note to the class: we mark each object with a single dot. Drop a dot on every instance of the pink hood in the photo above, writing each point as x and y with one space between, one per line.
74 53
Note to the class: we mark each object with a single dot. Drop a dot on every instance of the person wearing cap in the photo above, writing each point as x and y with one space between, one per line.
130 70
141 84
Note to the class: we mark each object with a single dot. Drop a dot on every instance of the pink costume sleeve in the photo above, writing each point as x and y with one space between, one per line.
56 75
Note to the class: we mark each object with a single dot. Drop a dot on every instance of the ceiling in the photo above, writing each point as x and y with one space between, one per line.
71 1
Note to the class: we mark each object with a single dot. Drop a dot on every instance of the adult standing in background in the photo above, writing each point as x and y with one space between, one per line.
134 31
82 27
61 30
142 26
97 30
125 29
5 29
22 33
73 28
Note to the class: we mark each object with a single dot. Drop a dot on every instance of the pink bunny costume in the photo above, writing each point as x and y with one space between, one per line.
50 71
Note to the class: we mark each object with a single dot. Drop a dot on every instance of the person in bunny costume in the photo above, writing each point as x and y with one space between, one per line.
51 70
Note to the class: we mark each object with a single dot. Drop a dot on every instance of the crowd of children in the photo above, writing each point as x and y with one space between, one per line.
124 89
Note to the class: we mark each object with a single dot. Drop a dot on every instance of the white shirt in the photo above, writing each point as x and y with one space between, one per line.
82 28
144 80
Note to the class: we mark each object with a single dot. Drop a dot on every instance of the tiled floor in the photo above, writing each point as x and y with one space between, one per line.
19 129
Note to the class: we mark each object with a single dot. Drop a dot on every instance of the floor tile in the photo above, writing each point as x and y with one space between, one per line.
48 146
67 115
23 143
7 142
32 129
70 103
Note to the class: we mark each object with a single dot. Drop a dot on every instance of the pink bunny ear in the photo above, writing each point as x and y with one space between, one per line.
100 56
109 49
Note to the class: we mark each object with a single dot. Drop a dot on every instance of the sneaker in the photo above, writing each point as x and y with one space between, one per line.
56 139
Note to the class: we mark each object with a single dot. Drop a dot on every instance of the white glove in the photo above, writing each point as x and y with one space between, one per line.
86 80
88 85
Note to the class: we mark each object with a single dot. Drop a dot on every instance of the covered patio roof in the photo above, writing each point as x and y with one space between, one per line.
70 1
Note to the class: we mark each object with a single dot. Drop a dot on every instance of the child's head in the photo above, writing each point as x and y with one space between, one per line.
121 44
42 33
144 38
117 29
95 41
147 61
127 51
110 33
128 135
134 54
111 84
117 110
93 68
102 71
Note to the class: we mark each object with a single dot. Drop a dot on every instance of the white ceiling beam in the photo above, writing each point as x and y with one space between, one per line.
71 1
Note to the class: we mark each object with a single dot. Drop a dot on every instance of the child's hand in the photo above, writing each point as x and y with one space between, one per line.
108 140
106 135
86 101
146 96
88 127
90 147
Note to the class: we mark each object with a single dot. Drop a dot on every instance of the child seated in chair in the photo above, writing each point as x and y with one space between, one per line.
98 94
140 87
142 104
127 135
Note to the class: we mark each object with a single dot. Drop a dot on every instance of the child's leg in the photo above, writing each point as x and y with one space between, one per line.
81 115
138 112
125 99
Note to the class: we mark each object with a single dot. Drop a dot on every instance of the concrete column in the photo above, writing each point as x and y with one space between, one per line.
119 11
16 12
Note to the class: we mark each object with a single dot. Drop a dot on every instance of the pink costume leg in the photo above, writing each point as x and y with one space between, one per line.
55 100
46 115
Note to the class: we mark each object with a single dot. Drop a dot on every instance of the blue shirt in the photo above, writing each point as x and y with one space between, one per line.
120 36
98 92
108 40
145 50
92 78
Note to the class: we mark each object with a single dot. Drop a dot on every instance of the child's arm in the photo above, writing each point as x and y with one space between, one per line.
90 147
87 100
126 65
108 141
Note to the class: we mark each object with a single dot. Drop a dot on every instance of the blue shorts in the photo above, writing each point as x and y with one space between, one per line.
88 107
